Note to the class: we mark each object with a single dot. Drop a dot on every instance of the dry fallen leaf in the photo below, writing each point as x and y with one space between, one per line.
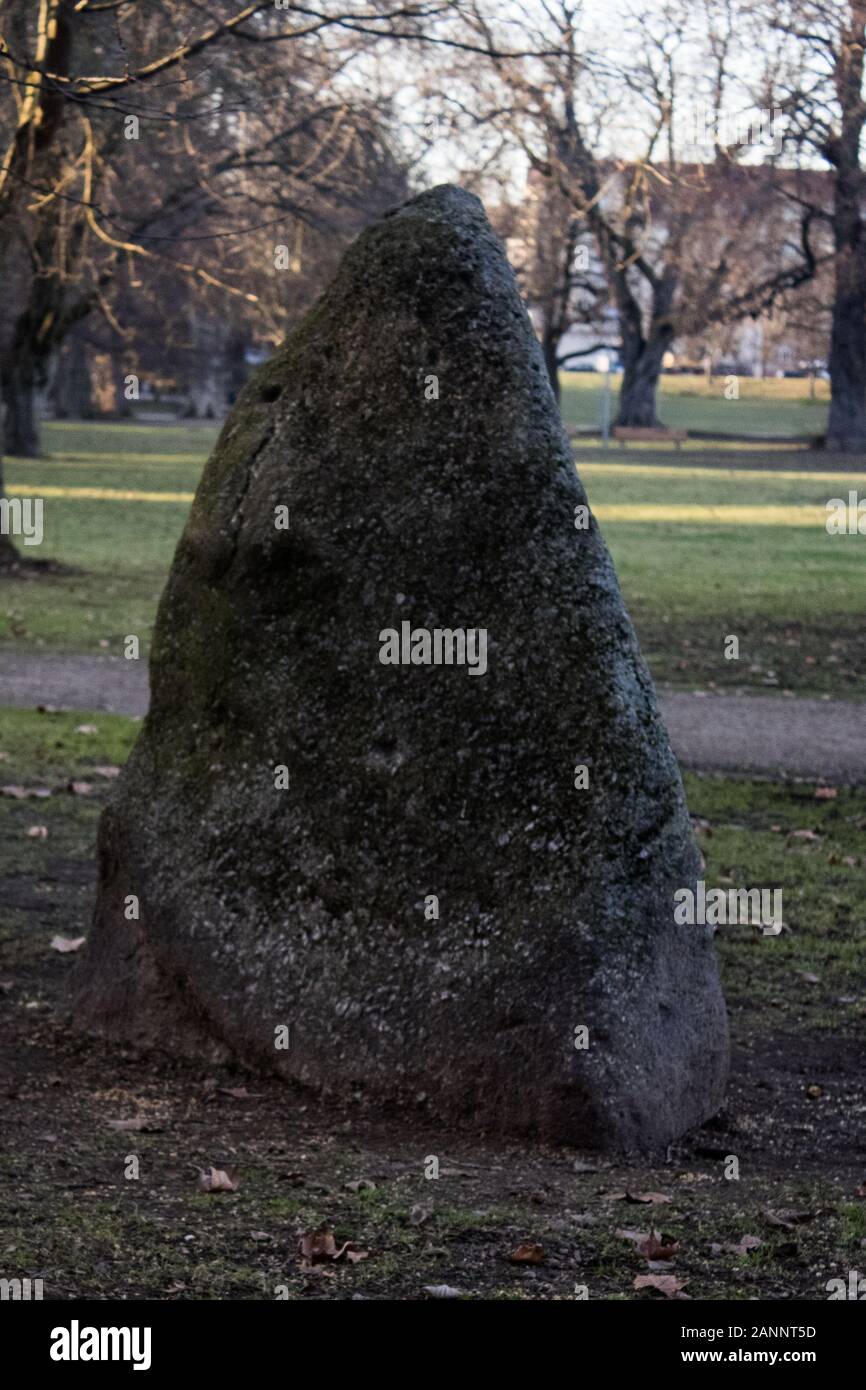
65 944
216 1180
317 1246
641 1198
38 832
825 793
668 1284
360 1185
442 1291
786 1217
85 729
651 1245
658 1248
21 793
108 771
742 1246
526 1254
138 1125
804 835
79 788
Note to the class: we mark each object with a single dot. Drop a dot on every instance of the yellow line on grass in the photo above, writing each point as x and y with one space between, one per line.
100 494
725 516
132 459
764 475
639 511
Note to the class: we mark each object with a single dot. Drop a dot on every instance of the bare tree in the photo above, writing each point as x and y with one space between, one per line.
815 74
556 275
682 242
78 76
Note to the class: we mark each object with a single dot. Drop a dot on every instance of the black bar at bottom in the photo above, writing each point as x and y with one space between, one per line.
224 1339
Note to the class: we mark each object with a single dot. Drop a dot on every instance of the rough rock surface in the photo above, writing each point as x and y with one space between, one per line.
261 906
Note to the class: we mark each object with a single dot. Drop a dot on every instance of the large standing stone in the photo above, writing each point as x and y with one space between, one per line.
313 906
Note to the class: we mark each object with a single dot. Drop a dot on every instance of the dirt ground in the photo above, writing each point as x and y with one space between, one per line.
98 1211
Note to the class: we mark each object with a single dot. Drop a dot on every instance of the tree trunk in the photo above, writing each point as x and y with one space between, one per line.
206 373
846 427
122 407
35 154
550 349
235 366
20 427
71 390
637 394
8 553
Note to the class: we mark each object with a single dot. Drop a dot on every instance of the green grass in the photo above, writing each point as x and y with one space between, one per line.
793 595
45 752
48 748
748 835
121 551
770 407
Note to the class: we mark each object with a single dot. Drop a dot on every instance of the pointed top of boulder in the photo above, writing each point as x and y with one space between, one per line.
446 202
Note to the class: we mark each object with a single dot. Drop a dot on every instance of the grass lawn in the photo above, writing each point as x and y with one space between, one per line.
121 549
764 407
791 1118
708 542
744 551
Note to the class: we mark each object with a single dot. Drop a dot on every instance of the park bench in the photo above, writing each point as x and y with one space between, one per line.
664 436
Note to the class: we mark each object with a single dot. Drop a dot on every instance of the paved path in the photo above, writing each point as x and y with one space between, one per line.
106 683
767 734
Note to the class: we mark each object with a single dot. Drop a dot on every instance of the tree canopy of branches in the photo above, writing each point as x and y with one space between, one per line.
167 139
681 240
